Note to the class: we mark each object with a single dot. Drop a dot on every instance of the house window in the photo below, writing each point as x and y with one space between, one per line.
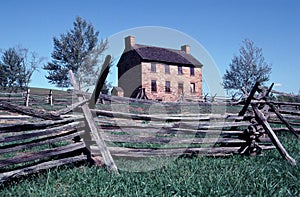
192 71
180 88
193 87
168 86
153 86
153 67
180 70
167 68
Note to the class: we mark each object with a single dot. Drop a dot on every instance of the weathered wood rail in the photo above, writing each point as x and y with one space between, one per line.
245 133
133 138
27 147
40 139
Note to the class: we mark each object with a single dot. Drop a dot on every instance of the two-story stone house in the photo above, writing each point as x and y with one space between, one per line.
164 73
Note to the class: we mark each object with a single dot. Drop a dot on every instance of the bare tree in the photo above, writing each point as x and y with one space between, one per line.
247 68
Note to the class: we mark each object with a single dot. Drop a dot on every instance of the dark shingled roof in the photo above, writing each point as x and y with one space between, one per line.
165 55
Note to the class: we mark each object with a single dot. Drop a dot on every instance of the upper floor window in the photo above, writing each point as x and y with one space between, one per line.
167 68
153 67
153 86
168 86
180 70
192 71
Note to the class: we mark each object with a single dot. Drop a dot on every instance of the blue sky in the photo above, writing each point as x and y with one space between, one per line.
218 25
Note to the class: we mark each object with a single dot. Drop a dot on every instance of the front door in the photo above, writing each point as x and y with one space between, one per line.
180 89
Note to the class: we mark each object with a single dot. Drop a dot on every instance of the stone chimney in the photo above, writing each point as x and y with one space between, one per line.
129 42
186 49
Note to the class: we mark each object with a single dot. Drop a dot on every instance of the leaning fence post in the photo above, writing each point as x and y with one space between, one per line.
287 124
27 97
91 125
263 121
248 100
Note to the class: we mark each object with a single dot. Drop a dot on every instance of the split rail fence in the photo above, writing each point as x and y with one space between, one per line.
39 139
32 97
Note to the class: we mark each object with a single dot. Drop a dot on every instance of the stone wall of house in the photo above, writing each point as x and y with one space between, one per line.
130 81
160 76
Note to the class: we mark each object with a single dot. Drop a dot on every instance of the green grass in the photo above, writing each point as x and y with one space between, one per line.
39 96
269 175
139 108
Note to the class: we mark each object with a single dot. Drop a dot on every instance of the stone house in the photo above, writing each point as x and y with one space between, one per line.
164 74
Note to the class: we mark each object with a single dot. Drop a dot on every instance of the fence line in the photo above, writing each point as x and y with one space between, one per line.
32 98
54 138
38 146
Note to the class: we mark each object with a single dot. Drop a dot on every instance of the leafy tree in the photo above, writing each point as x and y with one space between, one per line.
77 50
247 68
16 68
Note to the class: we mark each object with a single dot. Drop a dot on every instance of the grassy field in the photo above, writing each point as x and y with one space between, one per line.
235 175
197 176
39 98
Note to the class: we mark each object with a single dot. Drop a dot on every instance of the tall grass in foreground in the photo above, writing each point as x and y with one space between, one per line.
198 176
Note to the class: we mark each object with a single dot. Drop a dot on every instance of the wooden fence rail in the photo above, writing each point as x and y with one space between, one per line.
44 139
30 147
